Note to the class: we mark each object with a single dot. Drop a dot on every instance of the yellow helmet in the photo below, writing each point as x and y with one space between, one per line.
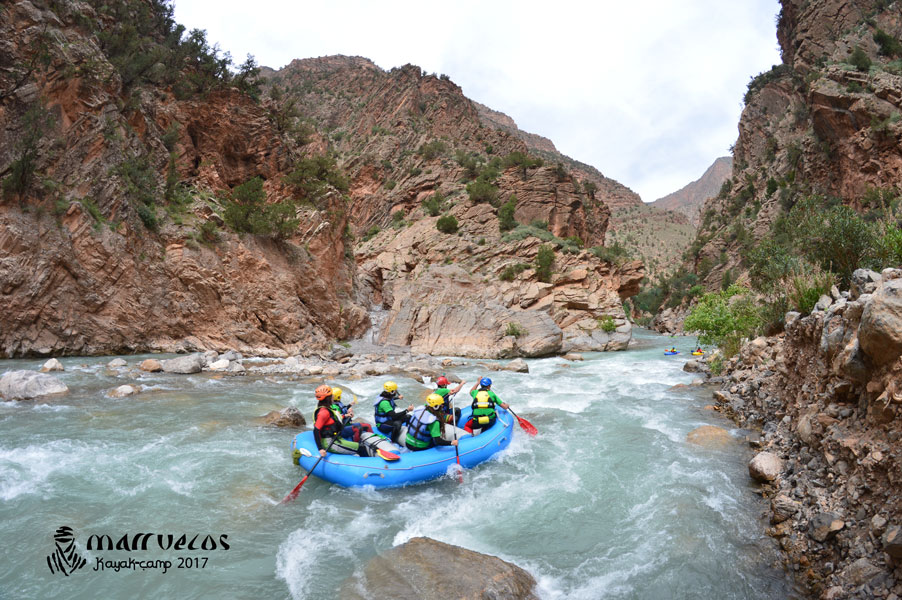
434 400
390 386
482 396
336 393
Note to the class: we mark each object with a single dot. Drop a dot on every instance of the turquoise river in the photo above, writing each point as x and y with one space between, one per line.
608 501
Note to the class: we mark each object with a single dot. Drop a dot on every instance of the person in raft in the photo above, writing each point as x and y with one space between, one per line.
424 428
328 426
350 431
443 389
484 401
389 418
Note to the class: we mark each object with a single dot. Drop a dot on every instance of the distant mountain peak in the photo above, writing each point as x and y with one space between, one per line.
690 199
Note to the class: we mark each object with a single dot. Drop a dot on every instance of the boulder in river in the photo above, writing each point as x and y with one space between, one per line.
52 365
425 569
287 417
573 356
709 436
193 363
765 466
122 391
151 365
116 363
25 385
218 365
518 365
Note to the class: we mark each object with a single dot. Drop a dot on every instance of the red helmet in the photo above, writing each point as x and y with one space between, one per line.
323 391
442 381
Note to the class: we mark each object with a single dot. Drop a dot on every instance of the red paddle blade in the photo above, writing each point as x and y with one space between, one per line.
386 455
527 426
294 493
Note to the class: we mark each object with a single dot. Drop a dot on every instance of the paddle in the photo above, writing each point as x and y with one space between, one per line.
297 489
460 472
526 425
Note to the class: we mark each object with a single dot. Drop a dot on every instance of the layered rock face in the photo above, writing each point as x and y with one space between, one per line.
813 125
443 292
828 395
81 273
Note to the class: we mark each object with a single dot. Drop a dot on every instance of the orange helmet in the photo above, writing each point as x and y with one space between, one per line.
323 391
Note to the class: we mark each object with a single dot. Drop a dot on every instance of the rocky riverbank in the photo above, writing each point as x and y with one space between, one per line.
827 398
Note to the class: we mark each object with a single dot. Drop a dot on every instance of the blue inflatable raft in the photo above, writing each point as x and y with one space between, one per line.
412 467
671 353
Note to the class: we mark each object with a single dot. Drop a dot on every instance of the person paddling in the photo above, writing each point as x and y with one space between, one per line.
484 402
425 424
443 389
390 418
328 425
350 431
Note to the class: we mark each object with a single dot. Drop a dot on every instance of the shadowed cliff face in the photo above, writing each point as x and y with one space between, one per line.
815 125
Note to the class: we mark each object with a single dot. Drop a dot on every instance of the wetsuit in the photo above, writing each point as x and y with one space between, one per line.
327 426
389 418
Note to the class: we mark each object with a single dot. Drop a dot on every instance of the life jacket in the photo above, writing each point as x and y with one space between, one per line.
332 429
446 394
483 412
418 426
340 406
382 417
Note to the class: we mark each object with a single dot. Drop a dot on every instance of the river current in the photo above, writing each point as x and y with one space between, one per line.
608 501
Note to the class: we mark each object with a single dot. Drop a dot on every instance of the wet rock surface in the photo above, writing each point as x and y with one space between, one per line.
25 385
425 569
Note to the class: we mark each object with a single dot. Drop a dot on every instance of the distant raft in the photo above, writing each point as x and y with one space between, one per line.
413 467
669 353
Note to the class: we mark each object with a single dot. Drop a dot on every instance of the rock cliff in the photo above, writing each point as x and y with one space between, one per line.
154 199
824 123
689 199
827 396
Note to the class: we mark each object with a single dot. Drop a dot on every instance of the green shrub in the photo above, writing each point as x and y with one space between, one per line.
539 224
522 161
397 219
311 178
434 204
209 232
514 329
148 216
506 220
724 318
860 60
446 224
510 272
889 46
371 233
432 149
544 263
807 288
390 184
482 191
607 324
614 254
470 162
574 240
246 211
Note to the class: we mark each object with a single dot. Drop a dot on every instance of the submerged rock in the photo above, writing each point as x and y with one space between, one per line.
122 391
709 436
425 569
518 365
25 385
116 363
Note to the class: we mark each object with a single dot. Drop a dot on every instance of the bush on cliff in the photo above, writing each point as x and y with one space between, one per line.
433 204
447 224
860 60
312 177
483 191
522 161
246 211
506 220
544 263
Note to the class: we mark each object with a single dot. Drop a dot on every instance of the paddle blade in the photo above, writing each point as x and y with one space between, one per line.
527 426
294 493
386 455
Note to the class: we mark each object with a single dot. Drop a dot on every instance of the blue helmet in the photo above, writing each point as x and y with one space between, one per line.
485 382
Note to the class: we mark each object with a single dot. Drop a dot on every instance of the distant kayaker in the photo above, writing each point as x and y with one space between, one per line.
484 401
424 428
352 430
444 390
328 426
389 418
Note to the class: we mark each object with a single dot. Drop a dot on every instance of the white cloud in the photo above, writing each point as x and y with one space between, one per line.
649 93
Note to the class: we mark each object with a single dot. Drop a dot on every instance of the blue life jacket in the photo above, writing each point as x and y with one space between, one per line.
418 425
382 417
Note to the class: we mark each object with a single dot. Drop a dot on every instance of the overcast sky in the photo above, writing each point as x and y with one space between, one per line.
649 93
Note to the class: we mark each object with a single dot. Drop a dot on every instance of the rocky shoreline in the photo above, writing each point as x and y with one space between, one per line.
826 396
